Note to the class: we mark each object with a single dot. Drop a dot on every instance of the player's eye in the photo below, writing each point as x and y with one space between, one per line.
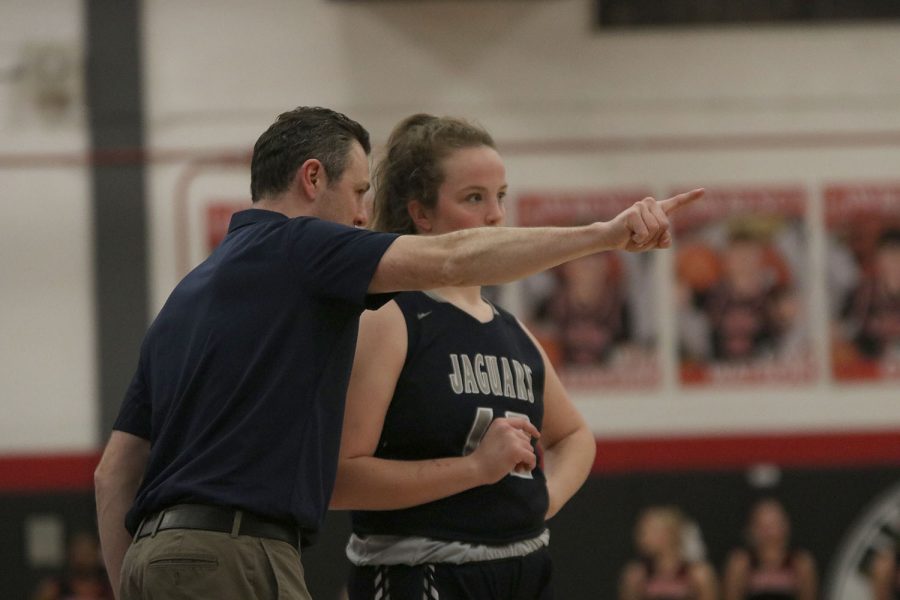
472 198
501 197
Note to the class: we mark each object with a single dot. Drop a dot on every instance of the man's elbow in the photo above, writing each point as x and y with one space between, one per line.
103 479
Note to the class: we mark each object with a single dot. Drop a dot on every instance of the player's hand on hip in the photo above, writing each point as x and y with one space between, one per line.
506 446
645 224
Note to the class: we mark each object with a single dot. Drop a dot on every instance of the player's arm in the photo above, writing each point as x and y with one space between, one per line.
632 582
569 445
365 482
704 579
116 481
882 573
486 256
807 576
737 572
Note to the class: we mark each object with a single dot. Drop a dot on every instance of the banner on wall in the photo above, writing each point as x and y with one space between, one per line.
742 287
863 279
596 317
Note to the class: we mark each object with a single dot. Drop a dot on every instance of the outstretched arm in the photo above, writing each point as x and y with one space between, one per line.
487 256
365 482
116 481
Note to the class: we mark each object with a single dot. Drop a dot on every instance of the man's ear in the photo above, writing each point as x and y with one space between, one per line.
420 216
310 179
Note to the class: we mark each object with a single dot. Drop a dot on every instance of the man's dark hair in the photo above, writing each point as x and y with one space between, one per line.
297 136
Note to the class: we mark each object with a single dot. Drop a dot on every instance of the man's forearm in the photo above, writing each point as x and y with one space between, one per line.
113 503
116 482
483 256
493 255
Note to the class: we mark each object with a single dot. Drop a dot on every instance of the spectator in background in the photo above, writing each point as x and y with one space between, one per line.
874 307
670 566
769 568
83 578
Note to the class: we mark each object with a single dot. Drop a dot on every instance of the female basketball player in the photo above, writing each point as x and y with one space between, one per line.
666 570
448 395
769 569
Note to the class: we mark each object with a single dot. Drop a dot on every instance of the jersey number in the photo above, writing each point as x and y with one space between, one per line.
483 419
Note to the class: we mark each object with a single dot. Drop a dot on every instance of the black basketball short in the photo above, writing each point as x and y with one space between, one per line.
520 578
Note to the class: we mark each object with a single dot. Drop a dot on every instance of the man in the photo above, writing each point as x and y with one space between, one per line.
225 449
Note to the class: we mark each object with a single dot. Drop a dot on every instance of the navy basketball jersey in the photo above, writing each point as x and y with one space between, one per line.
772 583
459 375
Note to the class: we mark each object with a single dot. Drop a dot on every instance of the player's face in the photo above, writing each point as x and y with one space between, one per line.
343 201
473 191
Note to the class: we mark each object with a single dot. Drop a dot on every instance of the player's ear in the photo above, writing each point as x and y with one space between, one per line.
420 216
310 179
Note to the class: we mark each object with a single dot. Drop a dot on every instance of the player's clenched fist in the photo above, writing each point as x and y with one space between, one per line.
645 224
506 446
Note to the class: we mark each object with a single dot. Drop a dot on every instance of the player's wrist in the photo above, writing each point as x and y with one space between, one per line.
477 469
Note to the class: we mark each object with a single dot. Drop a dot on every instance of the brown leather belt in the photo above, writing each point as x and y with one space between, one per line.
217 518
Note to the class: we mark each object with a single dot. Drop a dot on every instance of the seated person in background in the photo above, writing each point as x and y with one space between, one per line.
84 577
665 571
769 568
875 306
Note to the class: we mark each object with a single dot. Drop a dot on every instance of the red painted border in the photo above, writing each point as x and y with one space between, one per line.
74 472
47 472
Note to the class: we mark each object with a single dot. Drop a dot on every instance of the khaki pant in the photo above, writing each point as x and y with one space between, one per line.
192 564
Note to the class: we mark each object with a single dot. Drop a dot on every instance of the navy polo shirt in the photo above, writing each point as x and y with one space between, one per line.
242 376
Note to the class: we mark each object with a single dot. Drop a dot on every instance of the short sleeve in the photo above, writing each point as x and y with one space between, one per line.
135 413
337 261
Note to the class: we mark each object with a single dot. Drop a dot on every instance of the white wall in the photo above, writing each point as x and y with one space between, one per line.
47 380
218 71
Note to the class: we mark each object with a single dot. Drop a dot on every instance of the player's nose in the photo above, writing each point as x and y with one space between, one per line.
495 212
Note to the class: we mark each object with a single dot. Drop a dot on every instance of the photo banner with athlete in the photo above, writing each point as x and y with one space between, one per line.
863 279
597 316
742 282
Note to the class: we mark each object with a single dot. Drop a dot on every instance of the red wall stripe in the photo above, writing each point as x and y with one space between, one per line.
821 450
74 472
47 472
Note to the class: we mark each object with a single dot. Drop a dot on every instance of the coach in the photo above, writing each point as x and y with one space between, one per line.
222 460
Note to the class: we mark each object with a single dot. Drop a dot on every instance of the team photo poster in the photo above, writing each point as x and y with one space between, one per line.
597 316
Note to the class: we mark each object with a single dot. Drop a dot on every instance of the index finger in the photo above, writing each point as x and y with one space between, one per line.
525 425
672 204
